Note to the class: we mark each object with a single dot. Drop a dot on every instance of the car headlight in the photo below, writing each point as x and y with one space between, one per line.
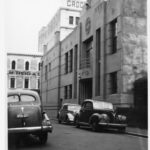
122 118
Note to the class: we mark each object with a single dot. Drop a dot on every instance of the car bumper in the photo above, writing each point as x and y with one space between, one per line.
113 125
31 129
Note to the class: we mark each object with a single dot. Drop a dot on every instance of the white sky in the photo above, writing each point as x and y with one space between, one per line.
23 20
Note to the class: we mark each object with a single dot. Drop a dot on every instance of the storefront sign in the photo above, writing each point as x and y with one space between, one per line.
77 4
27 73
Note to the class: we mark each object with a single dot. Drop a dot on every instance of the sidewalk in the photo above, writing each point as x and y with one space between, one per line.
137 132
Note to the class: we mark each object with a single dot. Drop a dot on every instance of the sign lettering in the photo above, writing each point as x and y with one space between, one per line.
75 3
28 73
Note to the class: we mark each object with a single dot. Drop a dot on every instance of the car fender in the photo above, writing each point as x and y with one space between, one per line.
70 116
97 117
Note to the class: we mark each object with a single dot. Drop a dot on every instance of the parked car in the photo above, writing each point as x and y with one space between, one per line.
26 116
67 112
99 115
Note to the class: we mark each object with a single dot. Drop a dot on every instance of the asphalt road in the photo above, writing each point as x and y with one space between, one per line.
68 137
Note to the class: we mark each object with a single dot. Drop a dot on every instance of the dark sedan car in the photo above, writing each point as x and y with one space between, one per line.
25 115
67 112
99 115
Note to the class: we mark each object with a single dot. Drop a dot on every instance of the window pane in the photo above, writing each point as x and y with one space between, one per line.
12 83
13 65
26 84
70 19
13 98
27 98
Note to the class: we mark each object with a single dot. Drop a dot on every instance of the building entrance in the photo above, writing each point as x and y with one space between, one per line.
85 89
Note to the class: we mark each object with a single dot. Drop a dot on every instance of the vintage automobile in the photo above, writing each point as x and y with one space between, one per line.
67 112
99 115
26 116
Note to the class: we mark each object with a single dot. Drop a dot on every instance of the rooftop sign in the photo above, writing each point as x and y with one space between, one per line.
75 4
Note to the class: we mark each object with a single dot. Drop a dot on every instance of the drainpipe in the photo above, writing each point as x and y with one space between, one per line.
104 51
57 36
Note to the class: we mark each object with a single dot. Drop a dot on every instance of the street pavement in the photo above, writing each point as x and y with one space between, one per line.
68 137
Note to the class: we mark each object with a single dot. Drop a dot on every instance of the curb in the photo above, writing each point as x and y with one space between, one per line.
129 133
137 134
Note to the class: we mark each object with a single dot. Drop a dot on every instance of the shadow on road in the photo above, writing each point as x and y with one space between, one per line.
23 141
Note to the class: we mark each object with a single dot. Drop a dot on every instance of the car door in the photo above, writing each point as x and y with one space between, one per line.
86 112
63 113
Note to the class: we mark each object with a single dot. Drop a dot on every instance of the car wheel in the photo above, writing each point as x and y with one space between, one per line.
77 123
67 120
122 130
43 138
59 121
94 126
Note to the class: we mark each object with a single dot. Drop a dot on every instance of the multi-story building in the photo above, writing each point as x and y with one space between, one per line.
103 58
23 70
64 21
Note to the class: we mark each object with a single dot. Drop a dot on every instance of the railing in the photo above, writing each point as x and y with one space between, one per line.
85 63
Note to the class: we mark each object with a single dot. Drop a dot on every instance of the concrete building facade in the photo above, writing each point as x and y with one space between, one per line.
64 21
23 70
101 58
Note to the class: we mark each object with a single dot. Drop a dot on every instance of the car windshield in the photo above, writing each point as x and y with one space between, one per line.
103 106
13 98
74 108
27 98
23 98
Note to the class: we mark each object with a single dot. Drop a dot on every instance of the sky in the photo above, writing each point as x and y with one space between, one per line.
23 21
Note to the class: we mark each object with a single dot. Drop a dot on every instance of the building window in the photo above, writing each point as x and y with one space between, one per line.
77 20
65 92
98 58
113 83
13 65
66 63
38 83
45 48
46 72
70 60
49 66
12 82
26 83
39 66
70 19
68 92
113 25
27 65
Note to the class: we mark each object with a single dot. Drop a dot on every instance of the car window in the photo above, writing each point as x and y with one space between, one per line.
27 98
74 108
88 106
103 106
65 107
13 98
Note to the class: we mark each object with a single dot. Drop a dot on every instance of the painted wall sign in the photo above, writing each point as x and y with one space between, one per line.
88 25
85 73
28 73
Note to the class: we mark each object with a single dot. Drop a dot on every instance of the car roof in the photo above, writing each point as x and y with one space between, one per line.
91 100
22 91
71 104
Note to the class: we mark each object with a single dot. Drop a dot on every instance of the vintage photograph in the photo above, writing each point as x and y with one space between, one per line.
77 75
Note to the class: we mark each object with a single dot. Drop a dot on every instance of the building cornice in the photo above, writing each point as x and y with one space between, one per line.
23 54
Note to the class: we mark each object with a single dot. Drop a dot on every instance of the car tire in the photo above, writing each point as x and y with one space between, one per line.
77 123
122 130
43 138
59 121
94 126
